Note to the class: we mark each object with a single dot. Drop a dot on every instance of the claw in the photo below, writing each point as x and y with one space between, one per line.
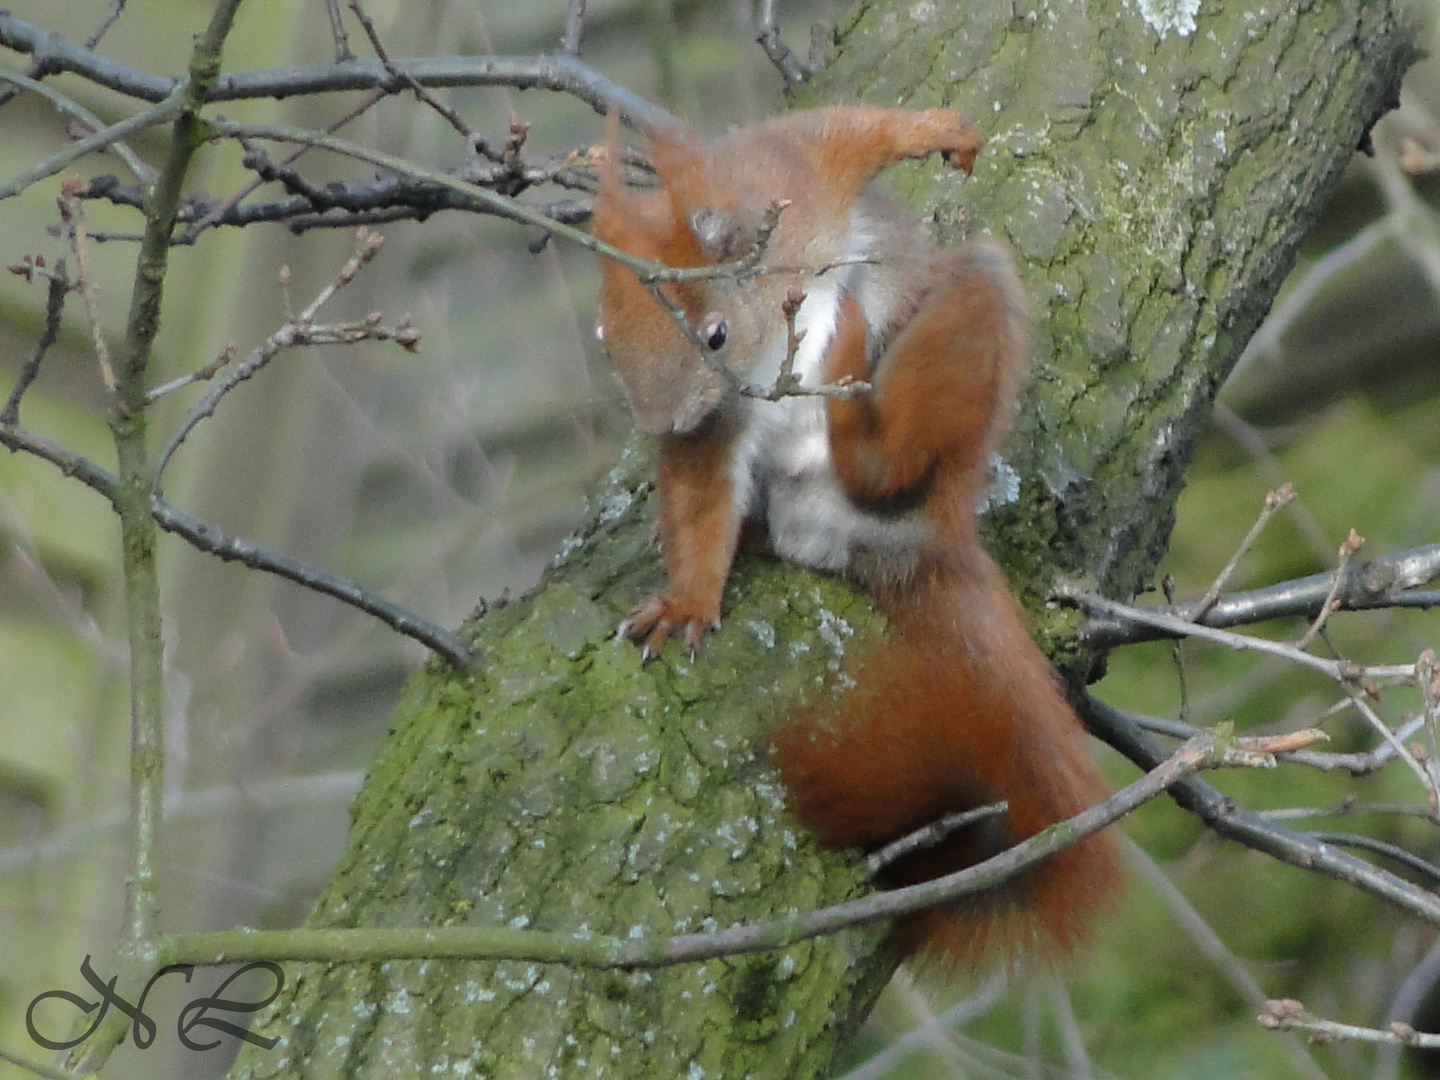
657 620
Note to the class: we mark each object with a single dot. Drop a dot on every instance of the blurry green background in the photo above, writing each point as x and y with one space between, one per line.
455 474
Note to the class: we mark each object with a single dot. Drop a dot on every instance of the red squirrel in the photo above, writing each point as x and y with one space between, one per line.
956 707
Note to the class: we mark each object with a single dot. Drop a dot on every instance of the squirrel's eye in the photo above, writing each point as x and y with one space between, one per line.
716 334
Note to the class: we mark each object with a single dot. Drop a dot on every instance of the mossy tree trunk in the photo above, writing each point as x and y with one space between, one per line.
1155 176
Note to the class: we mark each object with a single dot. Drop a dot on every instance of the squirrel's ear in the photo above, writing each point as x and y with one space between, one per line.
721 234
607 159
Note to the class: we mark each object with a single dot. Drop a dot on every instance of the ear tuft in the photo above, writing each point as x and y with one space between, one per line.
720 234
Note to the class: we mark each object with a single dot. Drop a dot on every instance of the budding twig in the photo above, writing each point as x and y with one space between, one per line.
299 329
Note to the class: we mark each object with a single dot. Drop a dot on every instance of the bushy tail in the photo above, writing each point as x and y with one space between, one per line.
957 710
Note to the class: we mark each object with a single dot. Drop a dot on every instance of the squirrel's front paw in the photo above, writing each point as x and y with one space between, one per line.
957 140
660 618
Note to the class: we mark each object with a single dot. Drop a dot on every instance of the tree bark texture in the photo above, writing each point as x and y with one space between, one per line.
1155 175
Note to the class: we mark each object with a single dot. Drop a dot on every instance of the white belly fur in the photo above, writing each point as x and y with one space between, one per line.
783 472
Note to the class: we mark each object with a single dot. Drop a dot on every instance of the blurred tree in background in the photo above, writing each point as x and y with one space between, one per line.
457 473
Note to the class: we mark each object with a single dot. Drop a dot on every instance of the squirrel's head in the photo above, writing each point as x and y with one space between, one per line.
682 347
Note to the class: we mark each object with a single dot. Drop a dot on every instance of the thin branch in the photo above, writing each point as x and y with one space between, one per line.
162 112
1427 677
930 835
341 204
1290 1015
117 8
574 28
1203 936
39 1068
1427 781
298 330
225 206
141 171
72 219
1220 813
59 288
497 203
1410 861
337 32
791 68
597 951
397 70
211 539
40 66
1347 550
1344 671
934 1032
1355 764
1384 582
1406 1003
561 73
204 374
1303 292
1413 222
1274 501
296 333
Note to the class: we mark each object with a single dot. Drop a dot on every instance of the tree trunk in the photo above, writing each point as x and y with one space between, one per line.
1155 176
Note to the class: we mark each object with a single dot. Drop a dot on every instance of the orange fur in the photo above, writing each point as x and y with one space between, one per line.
957 708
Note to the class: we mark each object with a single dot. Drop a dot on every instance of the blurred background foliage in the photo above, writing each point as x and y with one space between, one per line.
456 474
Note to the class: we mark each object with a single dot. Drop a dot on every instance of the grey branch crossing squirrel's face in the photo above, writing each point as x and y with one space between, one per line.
674 377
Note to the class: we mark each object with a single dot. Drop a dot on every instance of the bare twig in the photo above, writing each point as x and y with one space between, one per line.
1274 501
1221 814
162 112
41 66
1406 1004
204 374
59 288
1427 677
72 219
1358 699
1355 764
596 951
1388 581
1253 442
207 537
397 70
935 1031
1303 292
1208 942
1290 1015
299 329
560 72
1352 544
117 8
791 68
574 28
1423 867
226 206
343 52
1341 670
930 835
340 204
142 172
